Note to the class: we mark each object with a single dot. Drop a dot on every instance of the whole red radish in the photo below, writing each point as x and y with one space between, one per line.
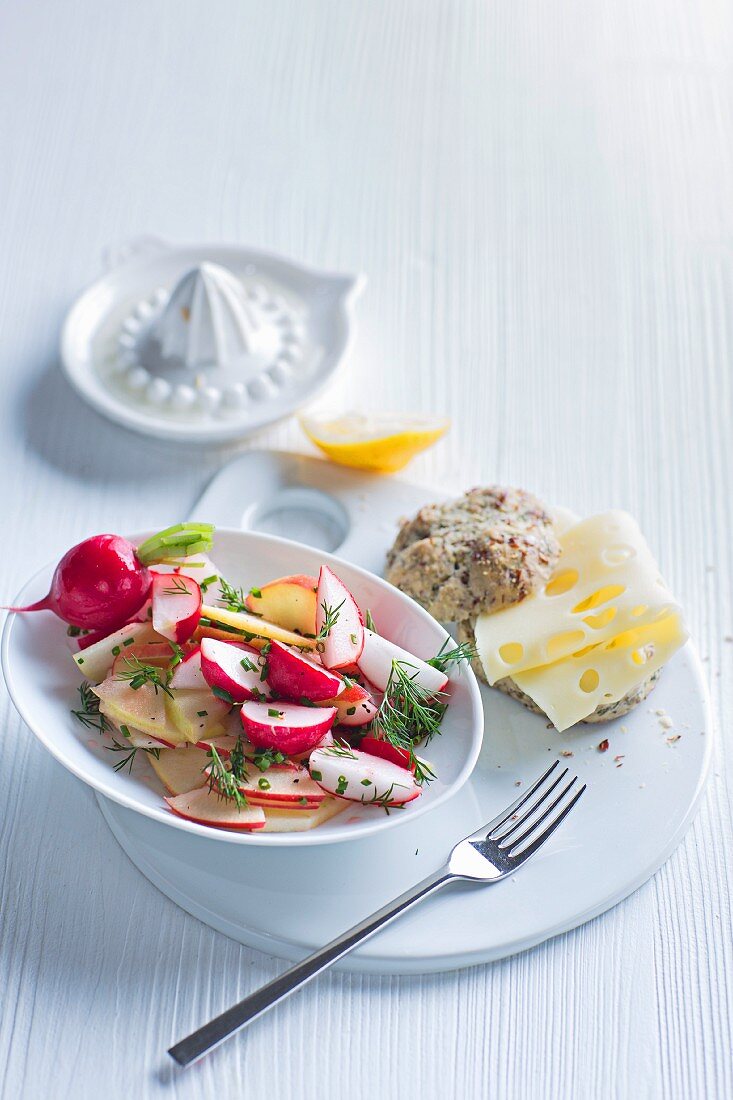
101 583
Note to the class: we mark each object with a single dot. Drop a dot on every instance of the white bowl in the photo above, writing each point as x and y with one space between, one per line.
42 681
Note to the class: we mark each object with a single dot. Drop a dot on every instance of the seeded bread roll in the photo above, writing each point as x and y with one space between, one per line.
488 549
606 712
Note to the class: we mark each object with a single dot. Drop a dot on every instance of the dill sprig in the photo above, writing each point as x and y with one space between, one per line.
225 782
89 713
445 658
177 587
409 714
384 801
232 598
138 674
340 749
131 750
330 618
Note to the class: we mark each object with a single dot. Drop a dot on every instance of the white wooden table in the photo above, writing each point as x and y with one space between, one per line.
541 195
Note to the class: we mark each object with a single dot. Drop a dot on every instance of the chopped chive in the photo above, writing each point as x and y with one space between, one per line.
202 713
272 713
256 592
221 693
128 641
116 651
263 784
318 776
366 782
351 710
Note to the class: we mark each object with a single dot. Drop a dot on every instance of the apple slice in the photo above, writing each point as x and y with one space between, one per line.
378 656
298 821
361 777
138 740
288 601
251 627
286 727
234 668
206 808
157 654
225 745
140 708
187 674
355 706
180 770
96 660
176 606
339 617
294 675
196 714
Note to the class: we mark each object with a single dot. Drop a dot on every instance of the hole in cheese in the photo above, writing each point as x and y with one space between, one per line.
603 618
589 681
561 644
511 652
618 554
638 657
599 597
562 582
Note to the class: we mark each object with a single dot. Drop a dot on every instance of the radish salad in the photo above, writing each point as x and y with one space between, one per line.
274 708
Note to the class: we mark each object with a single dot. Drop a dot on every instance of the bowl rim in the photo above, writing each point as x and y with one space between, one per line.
309 837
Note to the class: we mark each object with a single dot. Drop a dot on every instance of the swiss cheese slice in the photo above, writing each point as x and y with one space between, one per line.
606 583
571 689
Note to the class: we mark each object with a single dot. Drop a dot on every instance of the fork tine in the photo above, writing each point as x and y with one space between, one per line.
516 821
530 850
505 814
531 828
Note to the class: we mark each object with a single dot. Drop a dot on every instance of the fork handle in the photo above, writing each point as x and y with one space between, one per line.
229 1022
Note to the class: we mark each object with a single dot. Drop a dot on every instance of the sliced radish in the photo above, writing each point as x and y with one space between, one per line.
375 746
293 675
187 674
355 706
344 641
289 784
206 808
176 606
286 727
378 656
361 777
180 770
234 668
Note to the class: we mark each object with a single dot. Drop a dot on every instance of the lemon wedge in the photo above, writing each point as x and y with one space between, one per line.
382 443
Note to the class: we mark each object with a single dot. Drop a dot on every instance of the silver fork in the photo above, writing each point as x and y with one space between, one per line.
491 853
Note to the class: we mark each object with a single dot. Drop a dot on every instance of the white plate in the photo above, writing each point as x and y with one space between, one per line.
289 901
42 681
321 303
